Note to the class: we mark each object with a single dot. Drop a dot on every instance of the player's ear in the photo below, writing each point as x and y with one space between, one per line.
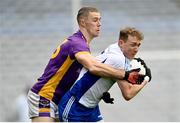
120 42
82 22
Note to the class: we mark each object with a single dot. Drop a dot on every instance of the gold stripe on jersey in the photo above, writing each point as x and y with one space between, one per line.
56 52
84 52
48 89
44 110
58 49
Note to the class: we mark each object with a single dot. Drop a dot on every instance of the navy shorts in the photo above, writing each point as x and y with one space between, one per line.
70 110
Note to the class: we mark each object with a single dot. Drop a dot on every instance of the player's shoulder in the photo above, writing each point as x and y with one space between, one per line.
78 36
113 48
114 51
115 55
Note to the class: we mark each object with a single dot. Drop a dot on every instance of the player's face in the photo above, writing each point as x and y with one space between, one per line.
130 47
93 24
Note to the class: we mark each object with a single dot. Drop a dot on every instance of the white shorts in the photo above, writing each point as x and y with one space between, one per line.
41 107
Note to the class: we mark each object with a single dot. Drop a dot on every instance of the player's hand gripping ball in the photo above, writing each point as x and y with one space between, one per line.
144 70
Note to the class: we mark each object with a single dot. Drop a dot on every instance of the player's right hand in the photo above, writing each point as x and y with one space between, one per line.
133 76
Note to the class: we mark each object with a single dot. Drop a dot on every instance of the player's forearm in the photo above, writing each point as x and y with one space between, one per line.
135 89
128 90
105 70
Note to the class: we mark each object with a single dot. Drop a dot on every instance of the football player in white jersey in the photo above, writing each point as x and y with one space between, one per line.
80 103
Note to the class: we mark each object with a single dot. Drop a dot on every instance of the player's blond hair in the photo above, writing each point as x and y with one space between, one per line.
124 33
84 12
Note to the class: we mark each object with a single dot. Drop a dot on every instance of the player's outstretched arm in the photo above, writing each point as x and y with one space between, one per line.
130 90
104 70
98 68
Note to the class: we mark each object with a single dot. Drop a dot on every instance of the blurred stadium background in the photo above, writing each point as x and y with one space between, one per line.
30 30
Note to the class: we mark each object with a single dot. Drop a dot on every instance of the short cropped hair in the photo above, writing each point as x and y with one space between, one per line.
84 12
124 33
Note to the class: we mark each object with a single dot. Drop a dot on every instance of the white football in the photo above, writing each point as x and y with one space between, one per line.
137 64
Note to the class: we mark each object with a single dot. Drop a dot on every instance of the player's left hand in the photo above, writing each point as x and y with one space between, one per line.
107 98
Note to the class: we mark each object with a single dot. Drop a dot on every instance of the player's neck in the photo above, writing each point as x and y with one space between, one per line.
86 36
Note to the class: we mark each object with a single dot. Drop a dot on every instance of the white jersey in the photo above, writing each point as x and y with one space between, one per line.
89 88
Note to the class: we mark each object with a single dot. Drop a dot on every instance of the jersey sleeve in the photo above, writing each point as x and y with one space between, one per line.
78 47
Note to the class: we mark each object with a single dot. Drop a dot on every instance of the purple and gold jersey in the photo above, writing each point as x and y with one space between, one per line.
62 69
